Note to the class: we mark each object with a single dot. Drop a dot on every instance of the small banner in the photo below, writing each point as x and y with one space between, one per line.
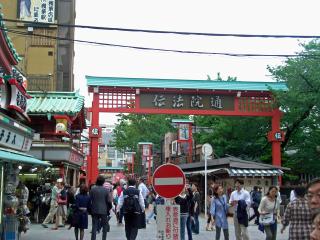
168 222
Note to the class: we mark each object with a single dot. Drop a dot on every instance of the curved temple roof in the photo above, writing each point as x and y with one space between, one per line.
69 103
93 81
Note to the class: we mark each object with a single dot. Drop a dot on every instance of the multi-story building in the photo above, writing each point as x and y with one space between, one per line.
47 55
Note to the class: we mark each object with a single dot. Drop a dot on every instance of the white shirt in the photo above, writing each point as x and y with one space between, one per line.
240 195
141 200
144 190
292 196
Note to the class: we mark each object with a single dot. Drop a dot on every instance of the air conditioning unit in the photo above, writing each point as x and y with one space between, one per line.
174 147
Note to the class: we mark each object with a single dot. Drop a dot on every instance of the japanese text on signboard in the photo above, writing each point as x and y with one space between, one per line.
187 101
168 222
37 10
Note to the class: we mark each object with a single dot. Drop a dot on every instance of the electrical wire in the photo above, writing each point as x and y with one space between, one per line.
159 49
35 24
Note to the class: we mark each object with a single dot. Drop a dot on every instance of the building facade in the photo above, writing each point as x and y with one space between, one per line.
15 142
47 54
58 119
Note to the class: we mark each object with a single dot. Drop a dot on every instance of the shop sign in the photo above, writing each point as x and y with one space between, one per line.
12 139
76 158
187 101
145 150
18 99
168 222
37 10
184 131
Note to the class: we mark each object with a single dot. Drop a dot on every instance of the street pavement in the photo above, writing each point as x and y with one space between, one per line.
37 232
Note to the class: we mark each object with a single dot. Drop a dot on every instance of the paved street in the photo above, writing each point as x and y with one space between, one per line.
37 232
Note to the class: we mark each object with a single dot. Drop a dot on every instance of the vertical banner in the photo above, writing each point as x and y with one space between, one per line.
168 222
37 10
145 150
184 131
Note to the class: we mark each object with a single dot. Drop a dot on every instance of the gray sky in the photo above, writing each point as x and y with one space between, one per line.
289 17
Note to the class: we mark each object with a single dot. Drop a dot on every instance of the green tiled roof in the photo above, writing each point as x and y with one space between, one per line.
69 103
184 84
8 39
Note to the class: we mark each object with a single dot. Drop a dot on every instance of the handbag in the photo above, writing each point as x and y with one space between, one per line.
268 219
140 220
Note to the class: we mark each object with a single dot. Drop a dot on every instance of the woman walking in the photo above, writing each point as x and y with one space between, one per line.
269 209
185 202
219 212
298 215
80 217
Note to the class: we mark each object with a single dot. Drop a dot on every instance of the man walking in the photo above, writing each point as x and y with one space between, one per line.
101 203
53 203
144 190
132 201
237 195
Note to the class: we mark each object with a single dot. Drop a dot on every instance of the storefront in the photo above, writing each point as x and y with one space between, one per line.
226 170
58 119
15 141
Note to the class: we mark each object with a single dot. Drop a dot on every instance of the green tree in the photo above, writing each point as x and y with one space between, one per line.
301 107
134 128
243 137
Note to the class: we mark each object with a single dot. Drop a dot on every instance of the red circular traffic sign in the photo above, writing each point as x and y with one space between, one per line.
168 180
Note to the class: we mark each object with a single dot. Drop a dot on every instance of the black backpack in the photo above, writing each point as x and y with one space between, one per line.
131 203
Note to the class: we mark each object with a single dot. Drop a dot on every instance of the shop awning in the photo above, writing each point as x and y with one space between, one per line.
239 172
18 157
254 172
202 172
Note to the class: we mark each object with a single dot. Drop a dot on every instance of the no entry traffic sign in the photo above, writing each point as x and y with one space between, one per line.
168 180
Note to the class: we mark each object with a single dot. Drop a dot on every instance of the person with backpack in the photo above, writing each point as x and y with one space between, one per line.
255 202
132 202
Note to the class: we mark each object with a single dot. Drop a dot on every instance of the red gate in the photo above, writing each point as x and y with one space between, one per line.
186 97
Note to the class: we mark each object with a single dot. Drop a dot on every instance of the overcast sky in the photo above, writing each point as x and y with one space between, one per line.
288 17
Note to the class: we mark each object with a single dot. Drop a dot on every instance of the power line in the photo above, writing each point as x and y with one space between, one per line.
159 49
35 24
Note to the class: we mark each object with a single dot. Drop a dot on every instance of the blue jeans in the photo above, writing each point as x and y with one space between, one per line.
183 224
195 228
189 230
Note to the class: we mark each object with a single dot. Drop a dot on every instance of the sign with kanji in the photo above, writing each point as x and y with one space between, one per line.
37 10
12 139
168 180
168 222
187 101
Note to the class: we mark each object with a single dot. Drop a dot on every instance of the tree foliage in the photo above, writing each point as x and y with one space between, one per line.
301 107
134 128
244 137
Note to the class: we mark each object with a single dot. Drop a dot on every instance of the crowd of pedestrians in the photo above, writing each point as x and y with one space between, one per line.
302 214
129 201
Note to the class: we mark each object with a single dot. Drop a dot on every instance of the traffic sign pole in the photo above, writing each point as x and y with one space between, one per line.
206 151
